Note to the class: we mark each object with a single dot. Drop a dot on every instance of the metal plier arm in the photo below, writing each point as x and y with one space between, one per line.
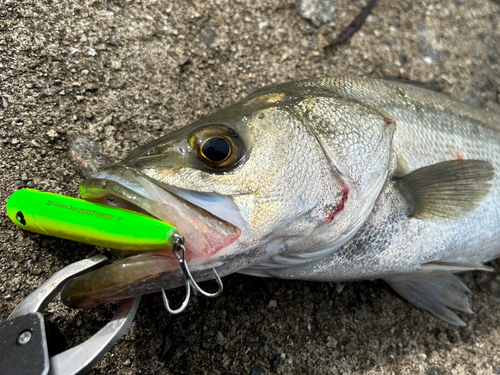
23 341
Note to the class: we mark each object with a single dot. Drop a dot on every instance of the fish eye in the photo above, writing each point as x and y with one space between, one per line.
217 146
216 149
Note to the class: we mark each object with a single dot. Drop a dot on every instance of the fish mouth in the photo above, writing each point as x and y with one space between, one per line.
208 222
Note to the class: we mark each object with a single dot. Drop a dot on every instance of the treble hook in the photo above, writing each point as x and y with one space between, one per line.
179 247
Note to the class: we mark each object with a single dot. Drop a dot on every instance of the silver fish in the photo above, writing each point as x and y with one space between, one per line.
331 179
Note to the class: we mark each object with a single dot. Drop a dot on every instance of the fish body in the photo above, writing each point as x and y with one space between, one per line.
331 179
431 128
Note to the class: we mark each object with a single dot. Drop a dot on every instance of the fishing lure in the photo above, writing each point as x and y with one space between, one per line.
92 223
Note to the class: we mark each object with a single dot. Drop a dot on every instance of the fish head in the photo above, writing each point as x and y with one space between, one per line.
250 183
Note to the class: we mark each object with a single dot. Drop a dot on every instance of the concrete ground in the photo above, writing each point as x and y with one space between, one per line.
123 72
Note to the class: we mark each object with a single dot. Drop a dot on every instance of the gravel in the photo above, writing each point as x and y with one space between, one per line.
122 72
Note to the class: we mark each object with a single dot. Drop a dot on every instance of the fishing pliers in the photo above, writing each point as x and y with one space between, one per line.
24 335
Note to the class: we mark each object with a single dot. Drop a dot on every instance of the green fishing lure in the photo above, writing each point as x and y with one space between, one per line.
93 223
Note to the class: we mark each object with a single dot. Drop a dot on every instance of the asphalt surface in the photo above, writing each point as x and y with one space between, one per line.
124 72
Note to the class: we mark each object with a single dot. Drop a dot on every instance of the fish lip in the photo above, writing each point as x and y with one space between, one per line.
121 182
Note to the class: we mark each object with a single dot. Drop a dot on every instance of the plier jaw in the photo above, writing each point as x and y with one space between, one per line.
23 341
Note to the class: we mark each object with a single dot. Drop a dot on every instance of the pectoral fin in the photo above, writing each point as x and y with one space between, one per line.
447 190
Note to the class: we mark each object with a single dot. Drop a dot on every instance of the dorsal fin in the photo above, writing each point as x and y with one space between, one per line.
421 84
446 190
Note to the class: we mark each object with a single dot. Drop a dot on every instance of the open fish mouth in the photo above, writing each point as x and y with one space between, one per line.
208 222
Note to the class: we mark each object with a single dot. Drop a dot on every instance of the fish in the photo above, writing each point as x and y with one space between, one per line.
329 179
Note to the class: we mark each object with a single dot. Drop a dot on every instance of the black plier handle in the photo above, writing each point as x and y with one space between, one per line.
23 341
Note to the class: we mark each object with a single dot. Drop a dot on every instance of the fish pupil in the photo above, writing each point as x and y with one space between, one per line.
216 149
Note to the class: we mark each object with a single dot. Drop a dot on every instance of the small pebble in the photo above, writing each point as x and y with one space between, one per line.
108 120
318 12
52 134
331 342
87 155
207 36
91 86
273 304
428 60
127 362
36 271
261 352
116 65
